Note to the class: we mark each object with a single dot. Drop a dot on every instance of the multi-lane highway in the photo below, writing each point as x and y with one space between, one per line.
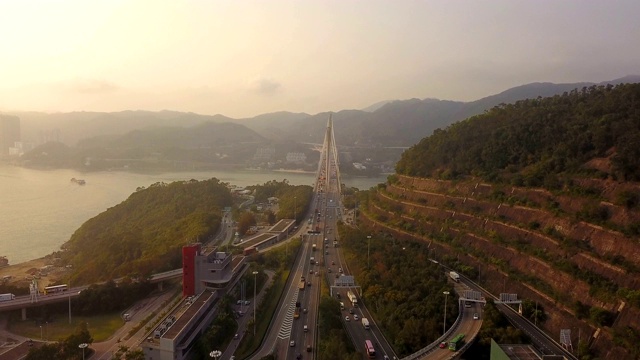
335 267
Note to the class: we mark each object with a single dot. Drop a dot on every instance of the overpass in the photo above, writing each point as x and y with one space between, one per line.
38 299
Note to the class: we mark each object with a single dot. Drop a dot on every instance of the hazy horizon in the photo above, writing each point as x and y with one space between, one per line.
246 58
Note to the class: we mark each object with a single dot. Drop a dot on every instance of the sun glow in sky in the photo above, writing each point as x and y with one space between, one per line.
241 58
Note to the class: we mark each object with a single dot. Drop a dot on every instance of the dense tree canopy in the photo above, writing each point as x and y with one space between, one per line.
145 233
402 289
293 201
532 141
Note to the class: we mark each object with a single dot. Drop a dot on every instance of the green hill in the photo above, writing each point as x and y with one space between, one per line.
145 233
534 142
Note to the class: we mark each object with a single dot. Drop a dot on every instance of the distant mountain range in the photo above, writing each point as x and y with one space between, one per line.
386 123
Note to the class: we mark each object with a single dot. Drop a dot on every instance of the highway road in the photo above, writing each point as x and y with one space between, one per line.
284 327
540 340
336 267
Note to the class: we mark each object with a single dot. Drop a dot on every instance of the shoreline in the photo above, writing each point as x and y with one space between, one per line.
21 274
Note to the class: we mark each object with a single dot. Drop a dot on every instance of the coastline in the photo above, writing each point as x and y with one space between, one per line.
21 273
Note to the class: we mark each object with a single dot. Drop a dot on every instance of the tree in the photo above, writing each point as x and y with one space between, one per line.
271 217
246 221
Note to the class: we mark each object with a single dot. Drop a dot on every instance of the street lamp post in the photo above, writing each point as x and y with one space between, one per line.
368 248
69 302
255 282
215 354
83 346
444 323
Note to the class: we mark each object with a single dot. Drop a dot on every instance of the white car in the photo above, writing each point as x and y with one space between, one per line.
346 318
475 316
355 317
292 343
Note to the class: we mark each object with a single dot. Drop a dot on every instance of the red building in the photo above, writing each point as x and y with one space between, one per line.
189 254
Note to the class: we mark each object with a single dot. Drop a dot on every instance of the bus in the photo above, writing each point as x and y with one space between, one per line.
456 343
368 348
55 289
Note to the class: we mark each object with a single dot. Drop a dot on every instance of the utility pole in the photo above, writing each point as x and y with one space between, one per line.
444 324
368 249
255 281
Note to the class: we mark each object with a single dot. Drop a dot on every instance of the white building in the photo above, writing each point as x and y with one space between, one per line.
296 157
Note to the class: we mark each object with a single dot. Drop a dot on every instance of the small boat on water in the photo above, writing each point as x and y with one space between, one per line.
78 181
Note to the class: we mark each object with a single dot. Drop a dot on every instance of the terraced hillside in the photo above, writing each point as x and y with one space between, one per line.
530 242
539 198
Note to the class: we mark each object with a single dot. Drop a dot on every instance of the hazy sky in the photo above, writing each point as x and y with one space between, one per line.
243 58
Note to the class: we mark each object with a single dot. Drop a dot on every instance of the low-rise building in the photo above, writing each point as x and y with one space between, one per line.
296 157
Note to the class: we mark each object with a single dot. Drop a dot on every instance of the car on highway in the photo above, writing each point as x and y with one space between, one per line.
310 271
355 317
329 270
304 311
333 263
308 348
443 345
475 316
346 318
351 311
236 336
292 343
299 356
340 270
308 283
247 302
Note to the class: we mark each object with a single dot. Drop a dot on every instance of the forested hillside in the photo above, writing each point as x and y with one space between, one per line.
539 198
145 233
534 142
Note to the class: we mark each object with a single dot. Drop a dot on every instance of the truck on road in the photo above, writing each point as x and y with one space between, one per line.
352 297
365 323
7 297
454 276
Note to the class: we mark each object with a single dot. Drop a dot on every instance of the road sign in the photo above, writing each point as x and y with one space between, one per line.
471 295
565 338
509 298
345 280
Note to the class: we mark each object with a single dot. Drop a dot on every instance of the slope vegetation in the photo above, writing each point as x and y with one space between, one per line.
145 233
540 198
